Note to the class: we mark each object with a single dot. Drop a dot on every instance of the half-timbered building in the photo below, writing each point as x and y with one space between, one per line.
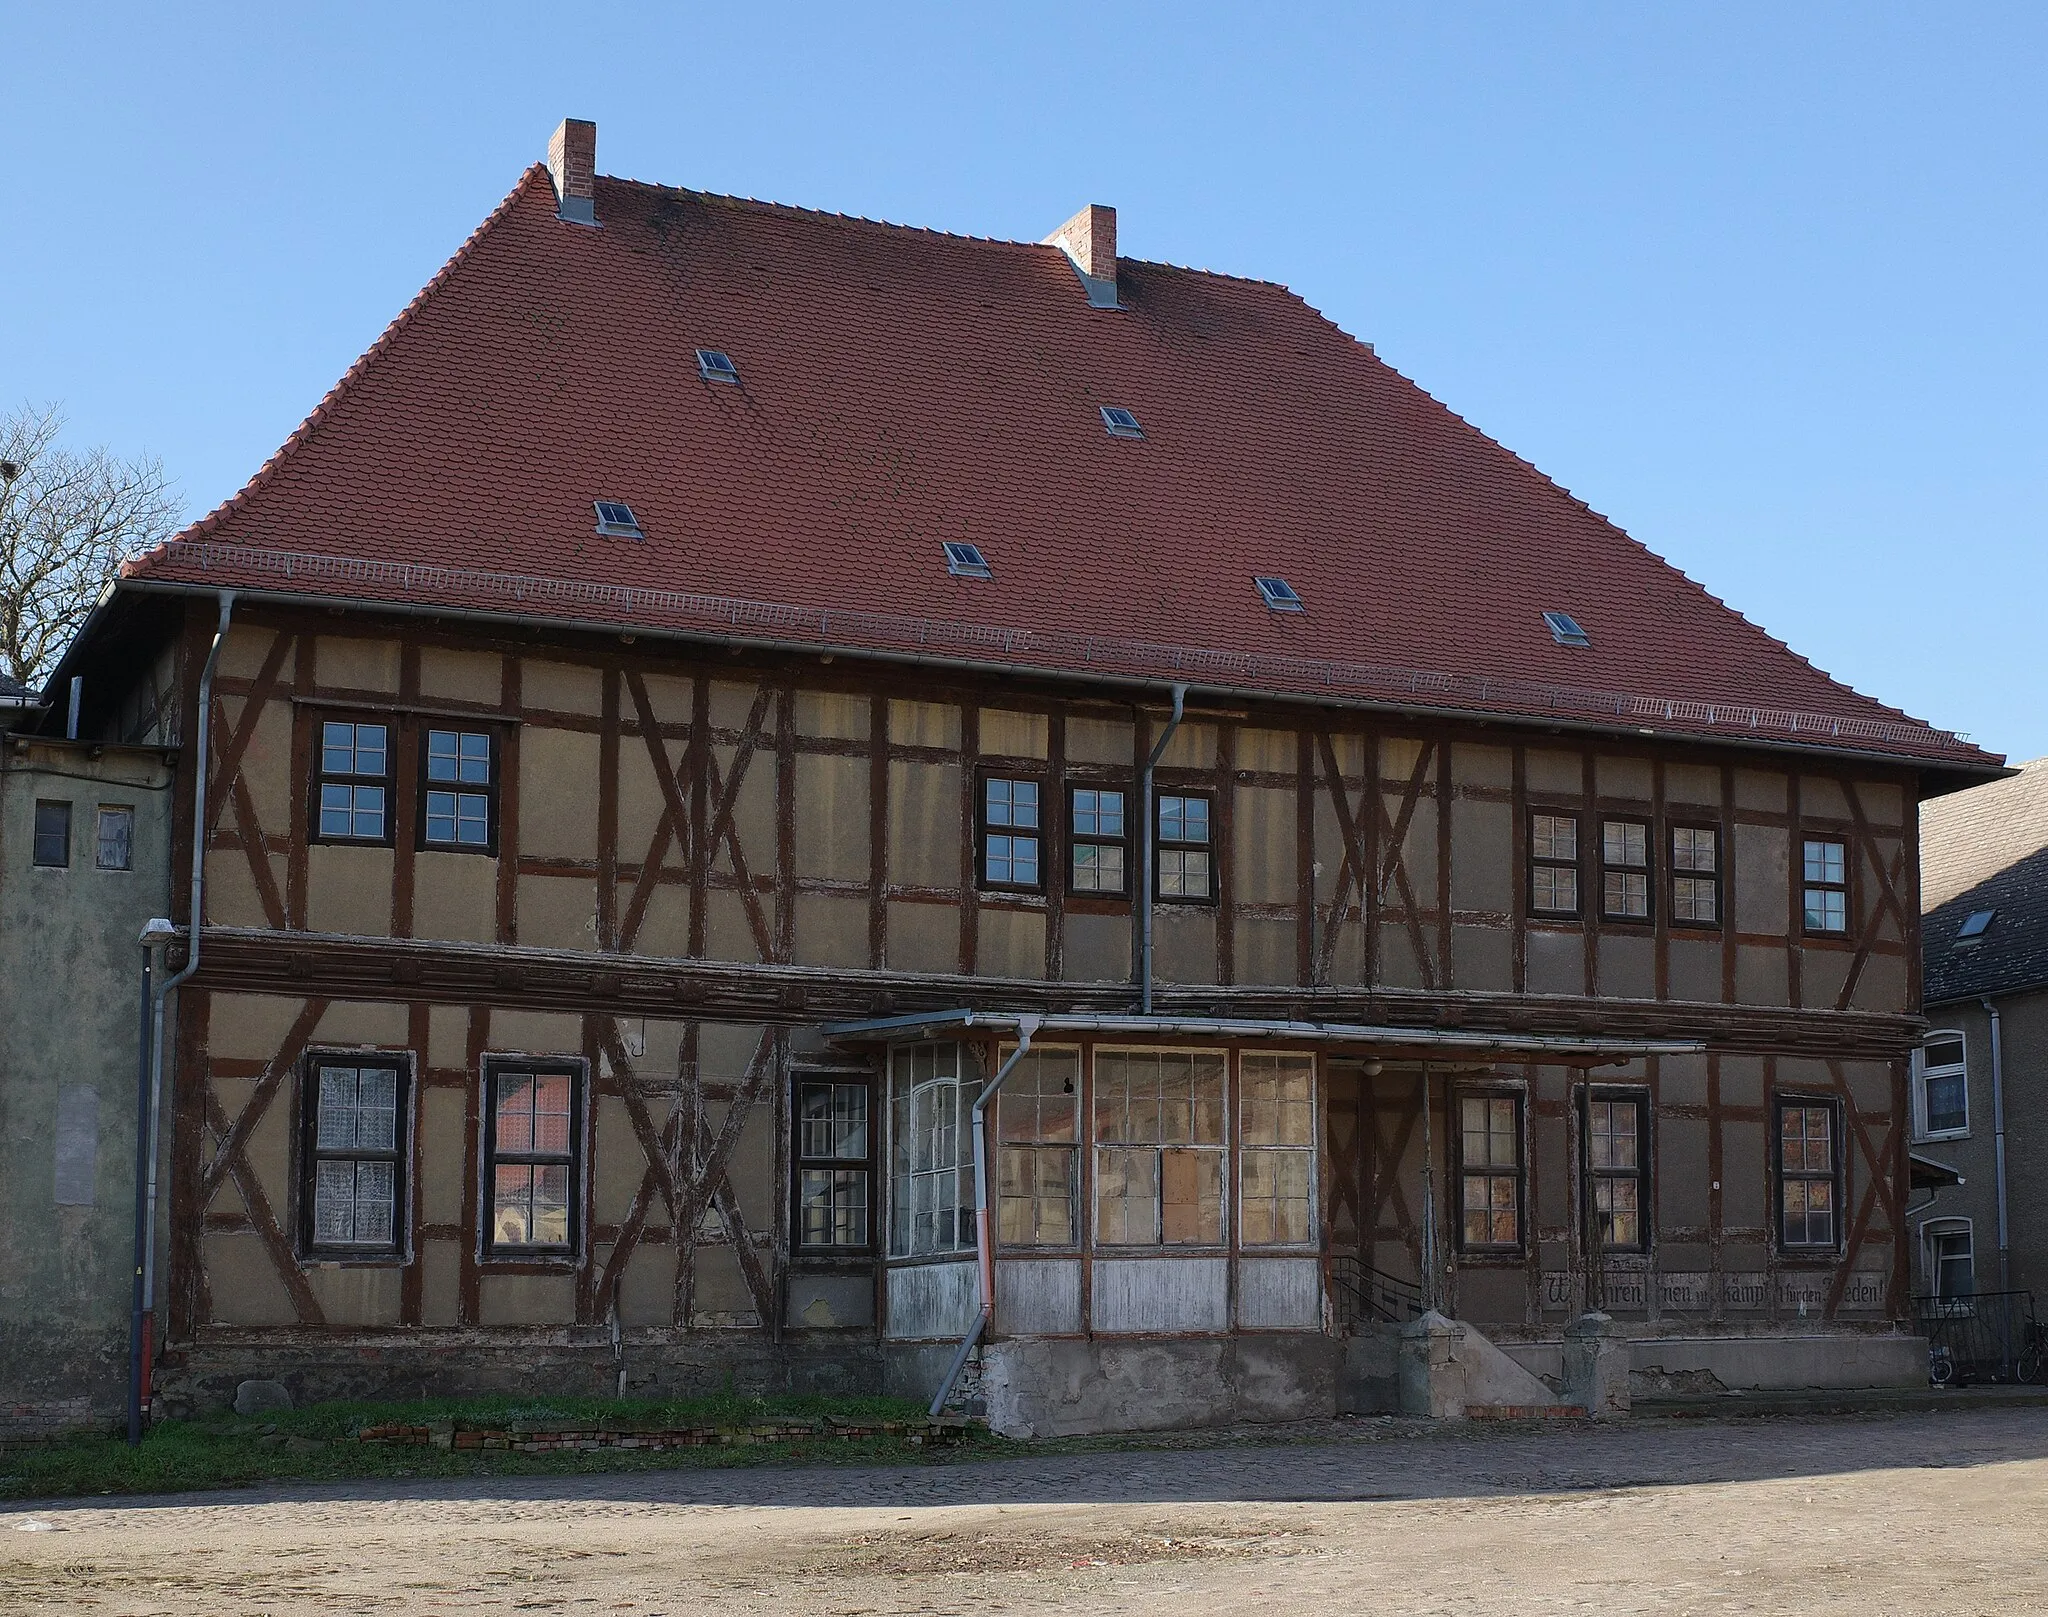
791 799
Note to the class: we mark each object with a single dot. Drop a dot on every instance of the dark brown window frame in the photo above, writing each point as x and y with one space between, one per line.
1673 875
1077 839
1576 864
1163 844
1647 870
491 791
799 1160
1846 886
404 1063
494 1065
394 737
983 830
1589 1176
37 833
1832 1104
1460 1093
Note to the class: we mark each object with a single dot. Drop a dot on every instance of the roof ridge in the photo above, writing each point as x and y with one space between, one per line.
333 396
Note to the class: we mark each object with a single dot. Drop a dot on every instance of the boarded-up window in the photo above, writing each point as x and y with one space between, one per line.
356 1154
931 1161
1159 1153
1038 1170
1277 1132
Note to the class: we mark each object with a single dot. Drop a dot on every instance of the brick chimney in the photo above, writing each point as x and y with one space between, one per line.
572 161
1089 240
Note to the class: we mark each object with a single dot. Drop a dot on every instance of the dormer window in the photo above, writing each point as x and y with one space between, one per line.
615 518
1121 423
715 365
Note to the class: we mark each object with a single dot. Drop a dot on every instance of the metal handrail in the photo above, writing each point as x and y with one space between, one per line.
1372 1293
826 628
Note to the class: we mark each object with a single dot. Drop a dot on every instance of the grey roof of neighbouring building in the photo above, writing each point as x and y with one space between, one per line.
11 687
1986 849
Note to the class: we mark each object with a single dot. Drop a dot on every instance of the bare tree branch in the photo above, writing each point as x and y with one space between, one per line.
67 521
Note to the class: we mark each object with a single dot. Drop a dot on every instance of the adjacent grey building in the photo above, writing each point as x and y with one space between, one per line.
1980 1083
84 863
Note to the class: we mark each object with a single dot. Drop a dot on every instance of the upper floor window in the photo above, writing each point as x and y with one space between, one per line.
1012 836
1160 1158
114 839
354 787
354 1194
1696 875
53 835
1095 817
1553 863
1809 1172
832 1162
1489 1170
1038 1168
931 1153
1942 1090
459 806
1186 860
533 1141
1826 896
1615 1162
1625 870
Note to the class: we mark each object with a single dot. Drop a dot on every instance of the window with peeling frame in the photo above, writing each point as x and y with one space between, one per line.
1614 1152
1159 1147
1695 875
833 1162
1185 849
1098 838
1038 1163
1276 1149
1809 1174
1554 864
931 1151
1489 1170
1625 870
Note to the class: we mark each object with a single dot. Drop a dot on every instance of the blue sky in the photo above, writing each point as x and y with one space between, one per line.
1764 283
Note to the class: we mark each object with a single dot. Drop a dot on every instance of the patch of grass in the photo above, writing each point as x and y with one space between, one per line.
317 1444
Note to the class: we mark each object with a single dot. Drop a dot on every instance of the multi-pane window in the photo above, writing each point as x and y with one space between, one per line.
1159 1149
1614 1143
1944 1098
355 1156
1826 885
832 1152
1186 862
460 787
1490 1171
1625 870
114 838
1095 817
1696 875
355 782
532 1136
1808 1189
1011 837
53 835
1038 1169
1276 1140
1553 864
931 1152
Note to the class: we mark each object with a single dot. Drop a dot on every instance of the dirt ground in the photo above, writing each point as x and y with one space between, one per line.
1923 1513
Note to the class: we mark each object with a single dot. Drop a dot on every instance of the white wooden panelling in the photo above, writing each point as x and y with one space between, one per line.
1279 1294
932 1300
1162 1294
1038 1296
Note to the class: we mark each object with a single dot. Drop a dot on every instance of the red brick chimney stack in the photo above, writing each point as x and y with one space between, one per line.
1089 240
572 161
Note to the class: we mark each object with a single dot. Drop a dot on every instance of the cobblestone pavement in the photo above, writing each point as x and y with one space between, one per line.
1920 1513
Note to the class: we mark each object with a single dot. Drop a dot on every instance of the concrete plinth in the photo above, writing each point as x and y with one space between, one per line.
1063 1387
1448 1368
1597 1357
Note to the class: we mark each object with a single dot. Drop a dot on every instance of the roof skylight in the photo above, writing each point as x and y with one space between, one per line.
1565 630
1279 595
715 365
1974 926
616 518
966 561
1121 423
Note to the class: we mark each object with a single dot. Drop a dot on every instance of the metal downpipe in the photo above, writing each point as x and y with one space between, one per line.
1148 861
984 1244
202 759
1998 1140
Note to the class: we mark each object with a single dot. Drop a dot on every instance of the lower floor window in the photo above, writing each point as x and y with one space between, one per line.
1038 1166
533 1140
1808 1193
1951 1262
355 1155
931 1161
832 1163
1490 1171
1159 1147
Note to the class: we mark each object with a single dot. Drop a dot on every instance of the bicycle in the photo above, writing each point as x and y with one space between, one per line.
2033 1361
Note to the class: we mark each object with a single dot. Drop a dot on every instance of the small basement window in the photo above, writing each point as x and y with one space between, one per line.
1279 595
1565 630
715 365
616 518
1121 423
966 561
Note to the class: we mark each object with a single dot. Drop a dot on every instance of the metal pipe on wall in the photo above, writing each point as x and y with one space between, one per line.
1148 860
149 1151
1998 1140
984 1242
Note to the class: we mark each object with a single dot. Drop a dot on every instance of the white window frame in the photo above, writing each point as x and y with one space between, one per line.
1238 1135
905 1088
1930 1262
1922 1072
1219 1149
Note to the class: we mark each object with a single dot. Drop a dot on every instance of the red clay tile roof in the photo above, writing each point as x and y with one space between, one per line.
902 387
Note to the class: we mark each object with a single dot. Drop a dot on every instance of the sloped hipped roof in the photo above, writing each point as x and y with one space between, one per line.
1986 850
900 388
